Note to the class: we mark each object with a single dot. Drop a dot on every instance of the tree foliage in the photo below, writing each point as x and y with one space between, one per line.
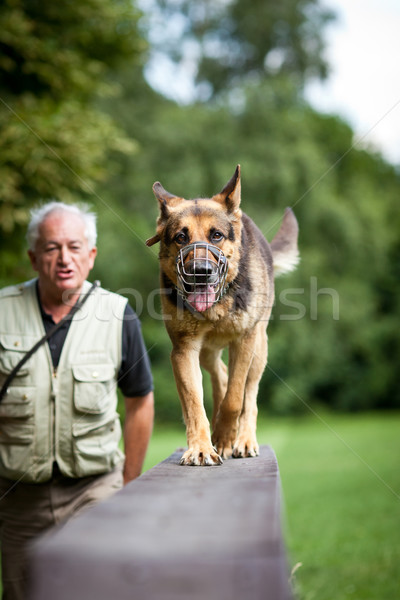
54 60
237 40
333 336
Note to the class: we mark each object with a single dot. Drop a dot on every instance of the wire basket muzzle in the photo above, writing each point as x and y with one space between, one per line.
201 271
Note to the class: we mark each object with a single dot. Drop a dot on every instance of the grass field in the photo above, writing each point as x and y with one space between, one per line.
341 500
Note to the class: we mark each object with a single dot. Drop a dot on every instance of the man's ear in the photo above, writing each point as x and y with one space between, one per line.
230 195
92 256
32 258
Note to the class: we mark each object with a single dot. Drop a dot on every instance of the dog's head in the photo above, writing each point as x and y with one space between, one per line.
200 242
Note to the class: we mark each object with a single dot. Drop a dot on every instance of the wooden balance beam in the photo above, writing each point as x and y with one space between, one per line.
175 533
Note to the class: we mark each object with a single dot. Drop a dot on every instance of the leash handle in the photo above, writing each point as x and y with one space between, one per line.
44 339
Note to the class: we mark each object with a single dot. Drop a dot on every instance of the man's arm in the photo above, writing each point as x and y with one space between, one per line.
138 426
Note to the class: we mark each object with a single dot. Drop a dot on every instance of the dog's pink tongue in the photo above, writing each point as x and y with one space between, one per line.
201 300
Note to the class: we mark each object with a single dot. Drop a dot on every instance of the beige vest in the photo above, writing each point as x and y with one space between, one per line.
68 415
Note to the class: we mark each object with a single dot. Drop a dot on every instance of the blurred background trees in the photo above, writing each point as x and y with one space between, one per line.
55 59
78 119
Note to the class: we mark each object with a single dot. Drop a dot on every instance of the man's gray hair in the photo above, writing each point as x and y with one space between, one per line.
40 213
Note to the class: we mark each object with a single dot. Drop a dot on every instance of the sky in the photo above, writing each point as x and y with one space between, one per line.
363 51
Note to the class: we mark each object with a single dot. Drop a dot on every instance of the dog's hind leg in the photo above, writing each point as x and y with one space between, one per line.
211 360
246 441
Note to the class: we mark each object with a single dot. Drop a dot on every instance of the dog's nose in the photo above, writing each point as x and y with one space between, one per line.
201 270
202 267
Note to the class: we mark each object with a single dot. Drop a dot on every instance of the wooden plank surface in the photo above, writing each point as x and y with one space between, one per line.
193 533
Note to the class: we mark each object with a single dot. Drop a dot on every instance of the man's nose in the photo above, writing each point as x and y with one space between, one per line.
64 255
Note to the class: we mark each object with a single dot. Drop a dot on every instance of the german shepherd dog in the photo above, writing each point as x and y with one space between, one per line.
217 279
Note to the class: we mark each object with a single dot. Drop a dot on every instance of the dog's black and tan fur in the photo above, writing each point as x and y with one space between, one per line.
238 320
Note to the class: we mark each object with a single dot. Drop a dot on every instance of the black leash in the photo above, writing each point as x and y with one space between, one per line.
44 339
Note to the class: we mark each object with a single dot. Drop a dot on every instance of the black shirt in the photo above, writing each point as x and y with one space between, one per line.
134 376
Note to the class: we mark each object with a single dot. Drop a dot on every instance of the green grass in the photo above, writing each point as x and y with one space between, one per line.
341 500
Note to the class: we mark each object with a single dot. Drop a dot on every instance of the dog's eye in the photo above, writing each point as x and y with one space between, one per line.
181 238
216 236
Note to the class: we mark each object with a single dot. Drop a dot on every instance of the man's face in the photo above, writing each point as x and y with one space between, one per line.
62 256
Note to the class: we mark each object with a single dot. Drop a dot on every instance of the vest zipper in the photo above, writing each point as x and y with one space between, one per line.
54 389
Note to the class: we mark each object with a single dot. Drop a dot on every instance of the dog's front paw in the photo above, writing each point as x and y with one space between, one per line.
245 446
201 458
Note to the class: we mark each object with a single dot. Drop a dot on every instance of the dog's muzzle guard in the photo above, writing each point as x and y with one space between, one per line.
201 276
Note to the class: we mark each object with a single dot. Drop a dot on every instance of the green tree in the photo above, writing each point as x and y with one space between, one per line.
346 199
55 59
237 40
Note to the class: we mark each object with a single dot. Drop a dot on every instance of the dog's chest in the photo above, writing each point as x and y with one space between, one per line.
223 332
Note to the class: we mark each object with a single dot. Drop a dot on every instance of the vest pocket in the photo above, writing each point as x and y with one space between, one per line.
17 431
12 349
96 447
16 408
92 386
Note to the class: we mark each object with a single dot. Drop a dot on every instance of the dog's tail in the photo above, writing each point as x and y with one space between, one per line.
284 248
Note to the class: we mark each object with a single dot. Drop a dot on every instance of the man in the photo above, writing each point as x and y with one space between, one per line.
59 431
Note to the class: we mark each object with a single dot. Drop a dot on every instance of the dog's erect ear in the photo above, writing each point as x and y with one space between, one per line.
166 201
230 195
161 194
165 198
